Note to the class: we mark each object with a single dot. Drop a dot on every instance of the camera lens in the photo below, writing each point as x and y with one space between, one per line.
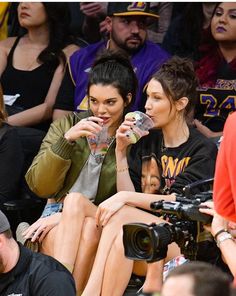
142 241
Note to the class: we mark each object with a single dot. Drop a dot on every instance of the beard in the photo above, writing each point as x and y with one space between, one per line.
125 45
2 267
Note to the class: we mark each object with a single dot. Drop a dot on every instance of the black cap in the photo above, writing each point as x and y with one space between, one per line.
4 224
129 8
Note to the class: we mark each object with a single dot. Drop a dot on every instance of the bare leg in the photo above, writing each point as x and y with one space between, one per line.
76 208
86 254
107 258
154 277
62 242
47 246
124 266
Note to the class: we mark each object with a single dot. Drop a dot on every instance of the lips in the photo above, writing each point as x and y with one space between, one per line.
23 14
220 29
105 119
134 39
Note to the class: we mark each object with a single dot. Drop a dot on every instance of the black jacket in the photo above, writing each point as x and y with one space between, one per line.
36 274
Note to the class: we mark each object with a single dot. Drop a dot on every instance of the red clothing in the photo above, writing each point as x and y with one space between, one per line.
224 190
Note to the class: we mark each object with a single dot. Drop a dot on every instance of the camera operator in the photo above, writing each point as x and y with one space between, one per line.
185 156
224 194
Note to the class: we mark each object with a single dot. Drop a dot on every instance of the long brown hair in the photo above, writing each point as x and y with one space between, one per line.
3 114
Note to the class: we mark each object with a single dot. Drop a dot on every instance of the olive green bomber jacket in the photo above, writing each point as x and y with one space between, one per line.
59 163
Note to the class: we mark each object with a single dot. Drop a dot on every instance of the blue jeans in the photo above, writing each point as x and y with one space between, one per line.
51 209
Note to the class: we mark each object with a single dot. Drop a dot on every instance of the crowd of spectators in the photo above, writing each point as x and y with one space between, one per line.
69 74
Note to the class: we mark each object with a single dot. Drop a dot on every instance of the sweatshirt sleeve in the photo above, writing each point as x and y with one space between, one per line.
224 189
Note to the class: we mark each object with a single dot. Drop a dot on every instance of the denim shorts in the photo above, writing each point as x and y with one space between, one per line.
51 209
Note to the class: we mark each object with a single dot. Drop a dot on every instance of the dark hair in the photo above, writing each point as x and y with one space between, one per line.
208 279
212 58
58 15
178 79
114 68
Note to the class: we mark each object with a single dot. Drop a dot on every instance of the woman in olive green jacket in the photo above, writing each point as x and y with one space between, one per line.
75 168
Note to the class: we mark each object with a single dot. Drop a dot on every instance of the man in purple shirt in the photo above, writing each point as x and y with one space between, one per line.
126 23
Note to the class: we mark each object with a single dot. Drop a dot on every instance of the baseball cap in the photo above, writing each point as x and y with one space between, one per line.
129 9
4 224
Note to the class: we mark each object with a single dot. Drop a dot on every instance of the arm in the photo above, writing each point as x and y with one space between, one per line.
94 13
228 246
43 111
123 179
47 174
110 206
123 140
205 130
5 47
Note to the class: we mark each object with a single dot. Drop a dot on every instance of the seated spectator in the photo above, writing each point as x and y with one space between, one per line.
76 172
126 23
11 158
94 26
23 272
224 193
185 156
32 65
196 279
217 73
188 29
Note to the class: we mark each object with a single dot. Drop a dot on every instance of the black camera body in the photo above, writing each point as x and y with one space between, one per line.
181 210
150 242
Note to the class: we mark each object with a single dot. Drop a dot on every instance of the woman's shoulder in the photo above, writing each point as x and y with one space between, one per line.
6 44
199 140
70 49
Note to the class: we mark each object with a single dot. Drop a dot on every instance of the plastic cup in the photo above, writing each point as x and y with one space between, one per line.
99 143
142 123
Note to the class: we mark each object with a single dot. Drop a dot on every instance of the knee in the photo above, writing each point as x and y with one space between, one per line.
90 234
74 204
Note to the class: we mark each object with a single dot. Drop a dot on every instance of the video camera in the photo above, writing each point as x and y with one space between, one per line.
150 242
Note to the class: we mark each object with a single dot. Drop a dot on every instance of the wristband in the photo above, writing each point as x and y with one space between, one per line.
122 169
219 232
225 236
